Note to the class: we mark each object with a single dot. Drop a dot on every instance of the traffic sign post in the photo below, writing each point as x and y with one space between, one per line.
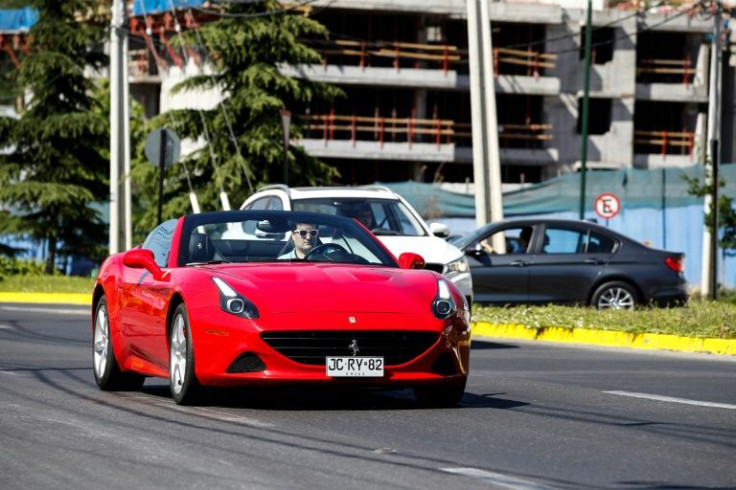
607 205
162 149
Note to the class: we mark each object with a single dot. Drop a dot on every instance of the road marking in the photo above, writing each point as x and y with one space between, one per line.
498 479
672 399
36 309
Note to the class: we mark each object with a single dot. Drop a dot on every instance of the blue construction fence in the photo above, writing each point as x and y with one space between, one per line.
656 208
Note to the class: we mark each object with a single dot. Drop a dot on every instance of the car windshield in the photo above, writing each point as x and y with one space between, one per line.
381 216
277 236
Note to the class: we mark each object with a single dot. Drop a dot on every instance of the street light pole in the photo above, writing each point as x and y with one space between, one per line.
709 273
585 108
285 126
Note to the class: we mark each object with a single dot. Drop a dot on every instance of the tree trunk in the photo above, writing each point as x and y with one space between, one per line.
51 257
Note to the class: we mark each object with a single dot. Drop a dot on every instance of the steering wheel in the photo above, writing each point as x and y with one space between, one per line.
326 249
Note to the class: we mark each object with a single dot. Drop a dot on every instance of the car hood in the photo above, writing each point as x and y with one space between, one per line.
433 249
322 287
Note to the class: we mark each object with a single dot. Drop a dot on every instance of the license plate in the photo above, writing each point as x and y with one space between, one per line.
354 367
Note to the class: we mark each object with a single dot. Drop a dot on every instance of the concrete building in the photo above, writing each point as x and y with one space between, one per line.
404 67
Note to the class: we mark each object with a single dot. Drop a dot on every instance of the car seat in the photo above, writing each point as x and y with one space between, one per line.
201 249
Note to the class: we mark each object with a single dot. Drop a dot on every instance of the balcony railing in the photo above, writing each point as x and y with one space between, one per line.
665 142
414 130
665 71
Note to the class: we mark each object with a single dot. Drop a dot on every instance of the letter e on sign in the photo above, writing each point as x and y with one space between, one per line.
607 205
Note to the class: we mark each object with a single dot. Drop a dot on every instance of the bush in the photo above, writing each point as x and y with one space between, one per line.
17 267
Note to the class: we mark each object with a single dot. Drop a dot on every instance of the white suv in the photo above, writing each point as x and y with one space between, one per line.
393 221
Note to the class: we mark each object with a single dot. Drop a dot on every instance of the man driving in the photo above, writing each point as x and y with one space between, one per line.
305 237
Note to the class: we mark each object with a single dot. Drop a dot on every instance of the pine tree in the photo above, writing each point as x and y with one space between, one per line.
56 168
246 46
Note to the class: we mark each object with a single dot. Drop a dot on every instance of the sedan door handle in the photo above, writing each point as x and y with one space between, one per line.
593 261
518 263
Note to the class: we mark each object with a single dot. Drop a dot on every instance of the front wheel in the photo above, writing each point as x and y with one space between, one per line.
616 295
108 375
185 389
440 396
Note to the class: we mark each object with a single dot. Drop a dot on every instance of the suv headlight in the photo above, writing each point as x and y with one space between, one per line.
459 265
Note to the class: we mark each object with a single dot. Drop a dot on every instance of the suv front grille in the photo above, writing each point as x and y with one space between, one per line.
309 347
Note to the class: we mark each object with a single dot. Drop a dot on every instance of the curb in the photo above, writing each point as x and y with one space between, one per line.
607 338
58 298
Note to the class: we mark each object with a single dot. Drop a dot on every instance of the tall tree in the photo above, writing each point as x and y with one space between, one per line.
245 46
55 168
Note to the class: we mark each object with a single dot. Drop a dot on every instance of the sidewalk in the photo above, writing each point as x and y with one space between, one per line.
606 338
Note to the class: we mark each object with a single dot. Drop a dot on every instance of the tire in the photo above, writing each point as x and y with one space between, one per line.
440 396
185 389
615 295
107 371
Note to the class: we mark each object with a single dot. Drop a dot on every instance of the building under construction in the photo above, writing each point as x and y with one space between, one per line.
404 67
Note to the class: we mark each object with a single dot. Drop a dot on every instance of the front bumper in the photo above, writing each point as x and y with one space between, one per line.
220 339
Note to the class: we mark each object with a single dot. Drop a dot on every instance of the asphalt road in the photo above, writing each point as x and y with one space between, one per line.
535 416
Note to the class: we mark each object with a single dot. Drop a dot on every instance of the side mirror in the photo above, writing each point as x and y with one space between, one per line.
140 258
440 230
410 260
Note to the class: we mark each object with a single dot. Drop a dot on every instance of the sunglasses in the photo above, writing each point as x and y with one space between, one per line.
303 233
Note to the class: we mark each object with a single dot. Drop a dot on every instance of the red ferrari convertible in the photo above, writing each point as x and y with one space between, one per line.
265 298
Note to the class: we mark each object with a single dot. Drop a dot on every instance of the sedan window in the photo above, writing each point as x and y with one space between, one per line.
562 241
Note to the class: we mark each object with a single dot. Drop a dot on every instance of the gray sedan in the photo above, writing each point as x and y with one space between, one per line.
541 261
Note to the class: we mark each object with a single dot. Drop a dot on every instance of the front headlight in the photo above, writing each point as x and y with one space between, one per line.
233 302
443 305
459 265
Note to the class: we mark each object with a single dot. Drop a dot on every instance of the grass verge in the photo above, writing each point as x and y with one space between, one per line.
699 319
46 284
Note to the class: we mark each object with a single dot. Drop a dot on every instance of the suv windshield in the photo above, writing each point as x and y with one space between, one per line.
381 216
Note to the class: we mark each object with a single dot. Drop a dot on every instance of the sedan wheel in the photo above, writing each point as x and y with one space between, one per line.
107 371
615 295
184 386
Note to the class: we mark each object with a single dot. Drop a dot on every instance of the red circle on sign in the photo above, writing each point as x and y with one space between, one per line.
607 205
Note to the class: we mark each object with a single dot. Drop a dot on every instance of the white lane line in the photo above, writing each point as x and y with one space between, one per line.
60 311
672 399
498 479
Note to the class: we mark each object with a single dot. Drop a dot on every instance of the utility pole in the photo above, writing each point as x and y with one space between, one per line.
480 148
709 273
486 155
120 235
585 108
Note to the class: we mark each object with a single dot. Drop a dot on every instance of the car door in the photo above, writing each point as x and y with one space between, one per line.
569 261
143 312
500 276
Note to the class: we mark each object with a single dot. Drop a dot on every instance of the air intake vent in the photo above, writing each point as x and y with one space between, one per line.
445 365
310 347
246 363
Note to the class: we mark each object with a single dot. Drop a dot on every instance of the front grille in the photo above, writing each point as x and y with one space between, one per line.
309 347
434 267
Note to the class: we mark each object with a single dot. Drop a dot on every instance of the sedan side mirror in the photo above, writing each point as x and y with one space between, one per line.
141 258
410 260
440 230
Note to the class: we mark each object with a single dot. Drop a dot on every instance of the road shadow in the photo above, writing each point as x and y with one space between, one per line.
488 345
310 398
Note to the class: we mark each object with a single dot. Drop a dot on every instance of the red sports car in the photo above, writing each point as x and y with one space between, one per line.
257 298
